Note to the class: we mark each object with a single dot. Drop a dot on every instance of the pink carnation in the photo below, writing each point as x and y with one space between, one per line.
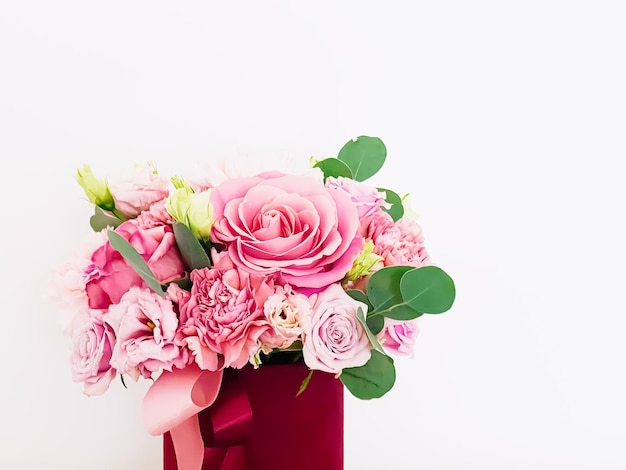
399 337
146 326
153 217
292 224
221 319
399 243
365 198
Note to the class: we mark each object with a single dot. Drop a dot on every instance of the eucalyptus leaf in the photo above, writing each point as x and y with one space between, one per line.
359 295
428 289
371 380
333 167
135 260
375 324
383 286
102 219
191 249
396 211
373 340
305 382
364 156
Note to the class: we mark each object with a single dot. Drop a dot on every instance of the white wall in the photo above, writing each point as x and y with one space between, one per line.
504 120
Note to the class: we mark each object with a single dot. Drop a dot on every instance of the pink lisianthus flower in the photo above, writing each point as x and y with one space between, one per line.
221 319
145 325
293 224
334 339
136 188
399 337
92 349
365 198
109 276
287 314
400 242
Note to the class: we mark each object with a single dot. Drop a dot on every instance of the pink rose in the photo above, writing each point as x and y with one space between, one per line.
366 199
135 189
290 224
109 276
92 347
400 242
221 321
146 326
334 338
398 337
287 314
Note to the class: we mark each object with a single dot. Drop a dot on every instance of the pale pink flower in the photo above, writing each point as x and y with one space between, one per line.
399 337
365 198
67 284
153 217
287 313
334 339
289 224
145 325
400 242
92 347
109 276
136 188
221 320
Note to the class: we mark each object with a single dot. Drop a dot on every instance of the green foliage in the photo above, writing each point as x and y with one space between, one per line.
396 211
134 259
333 167
371 380
102 219
371 336
428 289
364 156
192 251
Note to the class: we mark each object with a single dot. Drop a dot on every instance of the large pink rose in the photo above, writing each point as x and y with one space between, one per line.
293 224
145 326
400 242
334 339
109 276
221 319
92 348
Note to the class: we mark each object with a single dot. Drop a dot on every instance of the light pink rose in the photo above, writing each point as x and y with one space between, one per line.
399 337
221 320
335 339
287 313
400 242
289 224
365 198
135 189
92 347
145 326
153 217
109 276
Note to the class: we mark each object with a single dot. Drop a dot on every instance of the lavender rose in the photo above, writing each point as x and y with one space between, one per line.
292 224
334 338
92 348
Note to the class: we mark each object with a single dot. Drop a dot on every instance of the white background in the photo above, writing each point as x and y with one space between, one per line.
505 120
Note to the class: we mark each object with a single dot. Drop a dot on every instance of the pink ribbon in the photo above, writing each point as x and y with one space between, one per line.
172 404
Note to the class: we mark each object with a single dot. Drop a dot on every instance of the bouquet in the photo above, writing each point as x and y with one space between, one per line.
208 272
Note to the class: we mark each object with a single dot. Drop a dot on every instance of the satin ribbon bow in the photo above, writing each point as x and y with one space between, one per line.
172 405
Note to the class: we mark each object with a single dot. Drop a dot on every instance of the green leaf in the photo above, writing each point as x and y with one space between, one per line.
428 289
135 260
191 249
375 323
333 167
364 156
383 286
360 296
305 383
396 211
371 380
375 344
101 220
